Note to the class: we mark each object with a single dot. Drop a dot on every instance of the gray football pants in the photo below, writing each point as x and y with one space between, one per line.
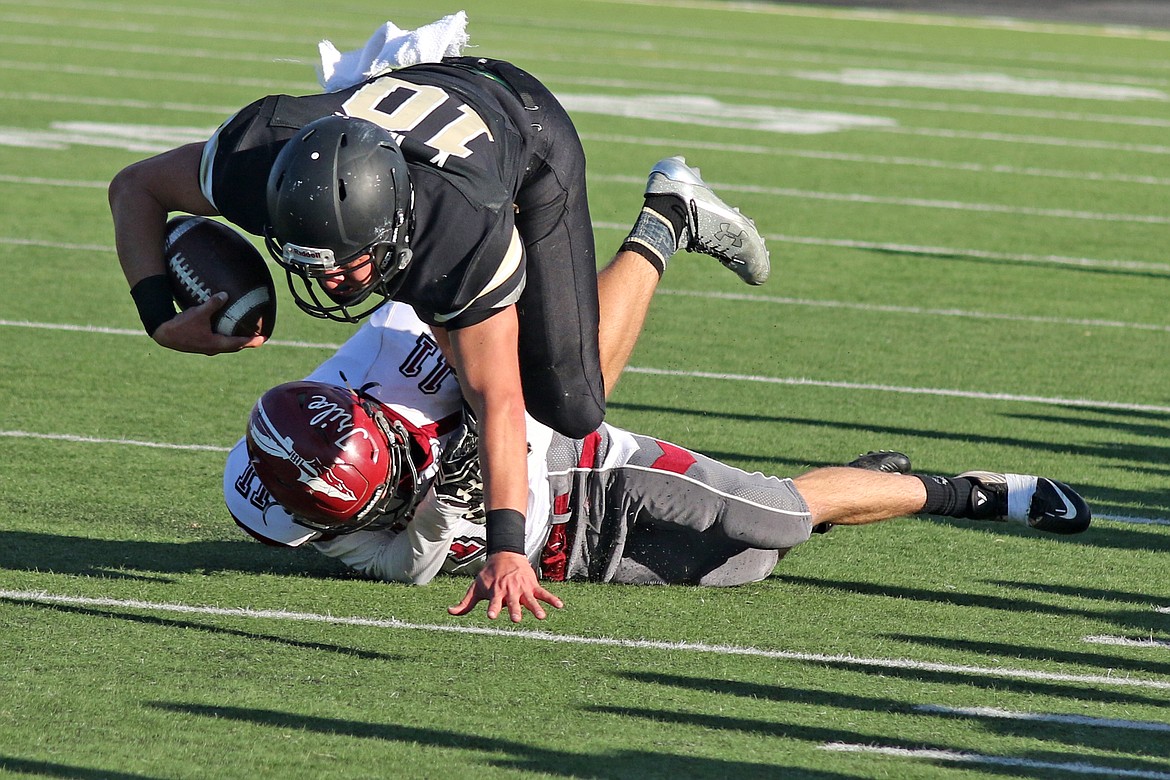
662 514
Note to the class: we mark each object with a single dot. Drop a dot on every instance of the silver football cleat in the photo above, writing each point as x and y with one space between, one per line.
713 227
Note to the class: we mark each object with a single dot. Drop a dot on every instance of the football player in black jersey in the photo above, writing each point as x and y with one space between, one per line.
457 187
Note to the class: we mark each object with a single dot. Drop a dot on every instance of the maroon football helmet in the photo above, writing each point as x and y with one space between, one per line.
336 459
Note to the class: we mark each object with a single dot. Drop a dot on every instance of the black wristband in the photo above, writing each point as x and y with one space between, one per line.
155 301
505 531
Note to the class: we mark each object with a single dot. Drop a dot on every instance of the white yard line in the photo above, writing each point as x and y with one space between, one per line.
41 597
948 205
871 159
953 756
935 391
1121 641
1043 717
125 442
913 310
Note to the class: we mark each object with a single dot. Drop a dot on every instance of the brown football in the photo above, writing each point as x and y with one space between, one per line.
204 257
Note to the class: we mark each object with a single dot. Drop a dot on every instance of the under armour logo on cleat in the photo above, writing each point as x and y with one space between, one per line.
726 236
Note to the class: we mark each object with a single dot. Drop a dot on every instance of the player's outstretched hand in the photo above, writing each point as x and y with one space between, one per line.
507 580
190 331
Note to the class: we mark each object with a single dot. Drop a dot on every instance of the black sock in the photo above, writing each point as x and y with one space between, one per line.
947 496
659 230
672 208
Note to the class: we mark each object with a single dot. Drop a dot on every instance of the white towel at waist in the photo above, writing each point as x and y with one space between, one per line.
390 48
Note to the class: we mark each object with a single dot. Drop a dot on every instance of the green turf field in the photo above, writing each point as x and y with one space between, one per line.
968 224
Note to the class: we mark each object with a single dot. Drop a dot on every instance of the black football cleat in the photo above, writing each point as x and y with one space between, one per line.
888 461
1037 502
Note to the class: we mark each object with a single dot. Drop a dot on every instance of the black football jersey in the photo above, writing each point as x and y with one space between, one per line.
461 132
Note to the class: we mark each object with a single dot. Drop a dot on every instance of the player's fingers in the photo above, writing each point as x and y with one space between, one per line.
470 599
548 597
495 605
534 607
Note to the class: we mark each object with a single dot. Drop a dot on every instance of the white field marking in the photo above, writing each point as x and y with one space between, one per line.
40 182
124 442
1132 520
131 48
193 77
1082 403
138 333
733 70
1043 717
41 597
1078 768
1121 641
55 245
950 205
1039 140
221 112
914 310
772 96
706 111
998 83
870 159
216 448
948 252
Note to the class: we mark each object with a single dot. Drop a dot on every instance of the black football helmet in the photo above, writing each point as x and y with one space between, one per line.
335 458
338 190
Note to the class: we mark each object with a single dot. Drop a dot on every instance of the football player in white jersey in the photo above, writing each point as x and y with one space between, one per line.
371 461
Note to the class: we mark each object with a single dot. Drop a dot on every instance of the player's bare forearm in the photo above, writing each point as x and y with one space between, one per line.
142 195
486 362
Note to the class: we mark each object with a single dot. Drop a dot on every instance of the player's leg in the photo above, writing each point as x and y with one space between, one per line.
625 288
560 362
682 212
850 496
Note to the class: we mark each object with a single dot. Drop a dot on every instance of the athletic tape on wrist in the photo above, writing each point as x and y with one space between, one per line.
155 302
505 531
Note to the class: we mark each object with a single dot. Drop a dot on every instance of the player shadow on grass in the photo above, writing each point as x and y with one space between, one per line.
1082 736
995 685
1101 662
821 735
1085 736
504 753
139 560
27 766
1130 537
1146 621
1082 592
188 625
